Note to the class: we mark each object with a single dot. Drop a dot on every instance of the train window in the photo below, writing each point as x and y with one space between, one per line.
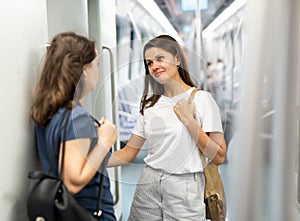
129 59
190 5
128 107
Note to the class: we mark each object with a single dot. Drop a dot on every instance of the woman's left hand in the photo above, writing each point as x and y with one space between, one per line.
184 111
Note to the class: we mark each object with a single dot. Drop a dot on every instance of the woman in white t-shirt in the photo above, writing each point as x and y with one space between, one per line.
172 184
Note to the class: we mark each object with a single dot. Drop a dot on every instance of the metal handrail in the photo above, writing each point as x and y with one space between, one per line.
111 57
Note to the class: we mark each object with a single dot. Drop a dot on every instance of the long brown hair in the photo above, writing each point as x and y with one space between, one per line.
59 84
170 45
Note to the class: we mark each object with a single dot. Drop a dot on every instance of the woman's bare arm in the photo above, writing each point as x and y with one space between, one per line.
127 153
80 166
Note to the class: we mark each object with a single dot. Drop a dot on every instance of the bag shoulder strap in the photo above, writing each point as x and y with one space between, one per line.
61 127
191 98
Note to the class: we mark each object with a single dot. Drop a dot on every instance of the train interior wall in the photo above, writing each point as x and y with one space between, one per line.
25 31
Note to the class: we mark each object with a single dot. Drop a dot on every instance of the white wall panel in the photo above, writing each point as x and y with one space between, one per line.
23 32
67 15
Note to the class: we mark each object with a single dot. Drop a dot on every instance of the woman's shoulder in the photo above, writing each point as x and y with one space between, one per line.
202 94
203 97
79 110
79 113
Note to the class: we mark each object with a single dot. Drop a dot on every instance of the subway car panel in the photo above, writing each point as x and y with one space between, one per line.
257 89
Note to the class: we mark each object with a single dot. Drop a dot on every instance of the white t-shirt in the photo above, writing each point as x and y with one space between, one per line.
170 145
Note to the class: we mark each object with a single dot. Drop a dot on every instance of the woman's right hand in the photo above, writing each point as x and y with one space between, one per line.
107 133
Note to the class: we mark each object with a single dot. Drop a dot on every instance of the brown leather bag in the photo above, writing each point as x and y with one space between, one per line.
214 195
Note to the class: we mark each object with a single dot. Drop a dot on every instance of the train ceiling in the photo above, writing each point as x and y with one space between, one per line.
181 15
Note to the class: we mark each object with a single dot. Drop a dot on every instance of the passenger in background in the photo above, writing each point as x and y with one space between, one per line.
69 73
210 80
172 184
221 68
214 83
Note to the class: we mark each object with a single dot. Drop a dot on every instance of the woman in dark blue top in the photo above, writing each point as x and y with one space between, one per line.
69 73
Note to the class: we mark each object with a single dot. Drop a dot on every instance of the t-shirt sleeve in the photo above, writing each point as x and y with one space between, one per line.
139 126
208 113
81 125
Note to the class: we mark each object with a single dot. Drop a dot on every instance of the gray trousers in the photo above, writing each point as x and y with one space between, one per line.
163 196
